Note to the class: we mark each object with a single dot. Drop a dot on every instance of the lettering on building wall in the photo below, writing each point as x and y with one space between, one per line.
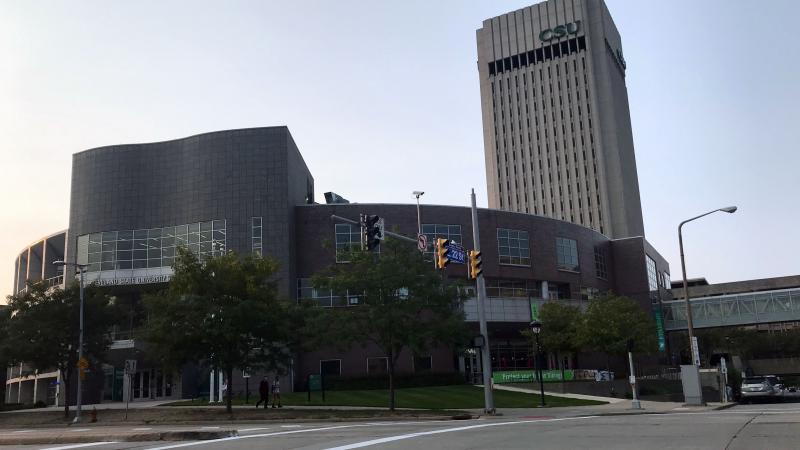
560 31
133 280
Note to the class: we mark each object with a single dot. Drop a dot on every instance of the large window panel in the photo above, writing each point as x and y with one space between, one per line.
435 231
567 253
348 239
149 248
513 247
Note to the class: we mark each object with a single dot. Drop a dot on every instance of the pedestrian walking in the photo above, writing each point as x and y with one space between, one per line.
263 392
276 392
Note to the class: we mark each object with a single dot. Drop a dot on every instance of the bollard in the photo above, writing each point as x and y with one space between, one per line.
93 415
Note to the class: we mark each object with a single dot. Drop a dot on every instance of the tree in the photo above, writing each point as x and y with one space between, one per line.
223 312
402 304
559 329
610 321
44 329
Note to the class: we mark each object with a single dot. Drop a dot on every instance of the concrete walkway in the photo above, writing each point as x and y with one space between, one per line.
98 406
505 387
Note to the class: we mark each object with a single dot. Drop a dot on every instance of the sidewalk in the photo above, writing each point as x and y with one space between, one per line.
83 433
98 406
505 387
615 406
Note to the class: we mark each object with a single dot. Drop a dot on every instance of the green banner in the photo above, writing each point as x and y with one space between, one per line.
534 311
662 340
529 376
315 382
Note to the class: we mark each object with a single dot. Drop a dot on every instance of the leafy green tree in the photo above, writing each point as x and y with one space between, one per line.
559 329
223 312
403 303
610 321
44 329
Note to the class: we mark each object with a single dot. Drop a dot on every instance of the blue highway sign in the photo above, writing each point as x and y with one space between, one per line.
456 253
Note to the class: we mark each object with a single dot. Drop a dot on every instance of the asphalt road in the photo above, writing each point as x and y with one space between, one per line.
772 426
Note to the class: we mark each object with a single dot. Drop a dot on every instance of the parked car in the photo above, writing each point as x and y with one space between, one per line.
761 387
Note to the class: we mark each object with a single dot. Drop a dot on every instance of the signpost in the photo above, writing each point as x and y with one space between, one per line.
246 376
315 383
130 369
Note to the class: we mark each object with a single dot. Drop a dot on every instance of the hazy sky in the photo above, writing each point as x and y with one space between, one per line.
378 94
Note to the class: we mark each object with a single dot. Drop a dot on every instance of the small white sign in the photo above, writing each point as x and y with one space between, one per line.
695 352
632 379
130 366
422 242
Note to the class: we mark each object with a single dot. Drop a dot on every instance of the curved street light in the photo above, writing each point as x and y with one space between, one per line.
689 320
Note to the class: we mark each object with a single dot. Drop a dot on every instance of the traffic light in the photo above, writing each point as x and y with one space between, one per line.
441 253
373 231
475 263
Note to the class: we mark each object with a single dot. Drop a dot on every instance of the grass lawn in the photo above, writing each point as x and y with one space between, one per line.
438 397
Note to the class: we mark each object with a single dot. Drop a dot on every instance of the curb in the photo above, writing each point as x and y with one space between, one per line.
725 406
134 437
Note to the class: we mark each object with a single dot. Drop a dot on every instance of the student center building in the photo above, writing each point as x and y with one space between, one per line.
250 190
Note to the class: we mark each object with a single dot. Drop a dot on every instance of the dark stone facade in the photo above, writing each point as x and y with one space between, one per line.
232 175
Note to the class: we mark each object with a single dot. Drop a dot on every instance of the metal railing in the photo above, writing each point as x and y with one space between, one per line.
736 309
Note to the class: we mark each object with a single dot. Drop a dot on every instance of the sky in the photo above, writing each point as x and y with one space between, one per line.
381 95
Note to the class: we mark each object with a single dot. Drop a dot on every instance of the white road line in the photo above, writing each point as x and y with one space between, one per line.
141 429
79 430
291 426
448 430
90 444
338 427
243 430
24 431
209 428
250 436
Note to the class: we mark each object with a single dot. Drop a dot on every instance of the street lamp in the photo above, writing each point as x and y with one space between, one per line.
418 194
689 320
536 328
692 389
82 269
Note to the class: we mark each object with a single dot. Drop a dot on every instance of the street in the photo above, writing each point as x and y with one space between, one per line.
774 426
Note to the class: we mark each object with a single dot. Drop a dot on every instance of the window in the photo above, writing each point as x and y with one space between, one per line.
150 248
513 247
652 274
423 364
667 281
496 288
348 239
588 293
328 367
324 297
435 231
567 252
601 271
256 235
377 366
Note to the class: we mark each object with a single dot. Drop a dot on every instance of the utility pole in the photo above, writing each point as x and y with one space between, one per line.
486 359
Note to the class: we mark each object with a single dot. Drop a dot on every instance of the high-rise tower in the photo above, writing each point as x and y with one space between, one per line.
556 125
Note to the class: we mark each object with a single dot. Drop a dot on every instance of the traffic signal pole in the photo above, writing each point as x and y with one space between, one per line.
486 359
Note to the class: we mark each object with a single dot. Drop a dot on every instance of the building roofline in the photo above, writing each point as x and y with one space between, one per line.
43 238
414 205
179 139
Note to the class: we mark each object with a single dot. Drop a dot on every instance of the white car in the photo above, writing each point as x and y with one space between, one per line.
761 387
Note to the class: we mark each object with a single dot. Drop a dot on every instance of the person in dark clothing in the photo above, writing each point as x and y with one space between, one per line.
263 392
